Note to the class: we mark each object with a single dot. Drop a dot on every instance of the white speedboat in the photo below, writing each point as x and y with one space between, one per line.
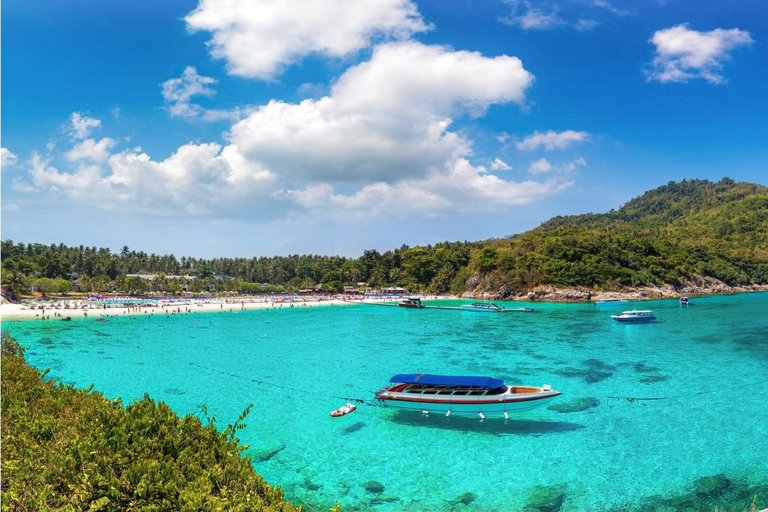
451 394
482 307
610 302
635 316
411 303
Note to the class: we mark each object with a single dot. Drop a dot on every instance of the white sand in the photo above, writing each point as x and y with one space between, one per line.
24 311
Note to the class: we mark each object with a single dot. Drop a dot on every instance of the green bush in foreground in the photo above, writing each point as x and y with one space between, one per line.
70 449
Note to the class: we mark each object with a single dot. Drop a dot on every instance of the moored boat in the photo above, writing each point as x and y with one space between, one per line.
684 300
452 394
410 302
610 302
635 316
482 307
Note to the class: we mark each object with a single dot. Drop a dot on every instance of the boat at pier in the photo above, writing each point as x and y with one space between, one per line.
410 302
635 316
610 302
451 394
493 308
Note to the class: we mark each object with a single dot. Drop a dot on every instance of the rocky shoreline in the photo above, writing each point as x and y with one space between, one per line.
699 285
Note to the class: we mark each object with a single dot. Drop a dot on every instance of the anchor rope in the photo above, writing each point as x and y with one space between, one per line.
281 386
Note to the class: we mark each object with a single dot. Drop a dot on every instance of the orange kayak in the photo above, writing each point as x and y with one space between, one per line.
343 411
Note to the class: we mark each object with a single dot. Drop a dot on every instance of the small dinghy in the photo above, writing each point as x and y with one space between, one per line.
343 411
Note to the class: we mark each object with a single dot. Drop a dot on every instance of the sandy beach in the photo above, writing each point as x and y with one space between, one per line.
75 309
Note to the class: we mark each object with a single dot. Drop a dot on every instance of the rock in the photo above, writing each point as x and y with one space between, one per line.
373 487
466 498
545 498
267 453
575 405
714 485
506 291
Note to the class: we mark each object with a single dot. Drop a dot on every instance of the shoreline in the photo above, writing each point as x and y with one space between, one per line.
10 311
25 312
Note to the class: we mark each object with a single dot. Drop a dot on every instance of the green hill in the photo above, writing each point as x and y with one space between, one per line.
670 235
674 235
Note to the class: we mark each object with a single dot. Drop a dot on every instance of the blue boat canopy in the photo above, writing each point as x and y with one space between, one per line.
447 380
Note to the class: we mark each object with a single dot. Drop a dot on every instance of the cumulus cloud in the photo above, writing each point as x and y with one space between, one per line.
7 159
527 17
500 165
683 54
380 139
82 125
178 92
552 140
90 149
542 166
197 179
585 24
385 119
464 188
259 38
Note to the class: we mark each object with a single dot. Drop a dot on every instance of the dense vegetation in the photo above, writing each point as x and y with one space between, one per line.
70 449
666 236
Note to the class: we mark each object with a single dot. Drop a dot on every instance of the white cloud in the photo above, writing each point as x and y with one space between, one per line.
259 38
89 149
10 207
198 179
178 92
500 165
604 4
379 140
82 125
464 188
585 24
527 17
540 166
552 140
7 159
683 54
385 119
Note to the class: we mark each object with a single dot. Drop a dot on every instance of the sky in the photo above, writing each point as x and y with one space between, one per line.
249 128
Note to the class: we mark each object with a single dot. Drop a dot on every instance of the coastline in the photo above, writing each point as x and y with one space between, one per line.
24 312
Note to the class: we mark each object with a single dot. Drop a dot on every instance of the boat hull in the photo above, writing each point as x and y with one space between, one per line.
636 320
468 406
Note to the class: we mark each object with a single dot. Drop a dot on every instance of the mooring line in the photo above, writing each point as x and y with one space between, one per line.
281 386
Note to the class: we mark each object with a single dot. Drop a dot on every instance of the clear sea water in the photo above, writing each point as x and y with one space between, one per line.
709 361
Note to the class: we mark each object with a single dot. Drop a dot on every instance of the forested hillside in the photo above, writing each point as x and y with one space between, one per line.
666 236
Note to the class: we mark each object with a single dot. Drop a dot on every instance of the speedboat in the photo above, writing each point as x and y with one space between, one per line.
610 302
409 302
452 394
483 307
684 301
635 316
343 410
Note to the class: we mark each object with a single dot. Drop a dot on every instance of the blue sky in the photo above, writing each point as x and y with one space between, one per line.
245 128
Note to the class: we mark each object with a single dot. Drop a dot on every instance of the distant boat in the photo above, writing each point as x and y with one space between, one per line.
610 302
684 301
412 303
635 316
482 307
452 394
493 308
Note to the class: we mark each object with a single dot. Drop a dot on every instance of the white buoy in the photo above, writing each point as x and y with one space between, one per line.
426 413
447 414
506 415
482 416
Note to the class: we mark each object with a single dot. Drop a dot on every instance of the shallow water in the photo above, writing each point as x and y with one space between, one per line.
708 361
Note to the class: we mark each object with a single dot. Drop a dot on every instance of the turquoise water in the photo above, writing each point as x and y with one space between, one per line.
710 362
